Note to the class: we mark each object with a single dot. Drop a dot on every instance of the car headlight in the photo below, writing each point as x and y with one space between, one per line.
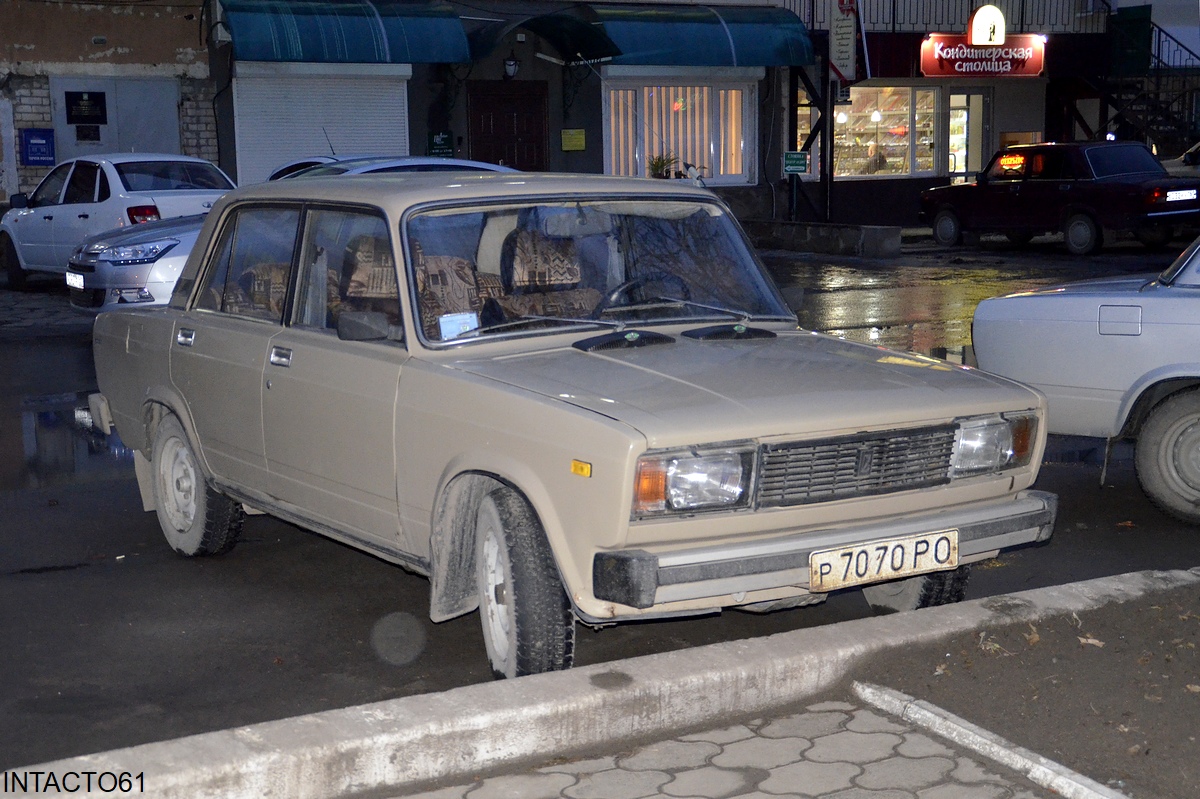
993 444
130 254
686 481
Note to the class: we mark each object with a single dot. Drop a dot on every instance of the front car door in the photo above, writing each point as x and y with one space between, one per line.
219 350
33 227
329 406
998 200
79 215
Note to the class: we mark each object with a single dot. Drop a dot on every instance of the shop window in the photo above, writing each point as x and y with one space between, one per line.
708 125
884 131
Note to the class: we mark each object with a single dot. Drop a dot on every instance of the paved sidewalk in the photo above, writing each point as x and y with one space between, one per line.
827 750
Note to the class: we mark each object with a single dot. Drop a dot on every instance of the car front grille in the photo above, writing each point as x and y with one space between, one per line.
805 472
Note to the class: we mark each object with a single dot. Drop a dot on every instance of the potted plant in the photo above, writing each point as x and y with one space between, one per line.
661 166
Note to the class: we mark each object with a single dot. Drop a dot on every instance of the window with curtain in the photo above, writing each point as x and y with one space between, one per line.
661 127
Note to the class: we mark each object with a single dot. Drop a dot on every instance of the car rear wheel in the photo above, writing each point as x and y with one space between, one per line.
195 519
1167 456
528 622
1082 235
947 229
12 264
922 591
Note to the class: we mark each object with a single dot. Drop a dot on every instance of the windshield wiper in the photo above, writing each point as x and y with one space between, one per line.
740 315
530 318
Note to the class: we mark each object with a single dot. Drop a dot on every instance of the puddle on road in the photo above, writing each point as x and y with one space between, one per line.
49 440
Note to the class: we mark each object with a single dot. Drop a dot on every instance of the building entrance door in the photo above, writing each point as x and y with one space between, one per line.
970 131
507 122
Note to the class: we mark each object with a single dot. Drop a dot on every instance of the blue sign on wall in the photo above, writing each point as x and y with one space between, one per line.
37 147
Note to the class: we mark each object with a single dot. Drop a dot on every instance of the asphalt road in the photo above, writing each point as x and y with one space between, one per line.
110 639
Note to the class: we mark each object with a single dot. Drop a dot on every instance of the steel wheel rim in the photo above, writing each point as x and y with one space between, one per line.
945 228
1183 457
179 484
1079 234
497 600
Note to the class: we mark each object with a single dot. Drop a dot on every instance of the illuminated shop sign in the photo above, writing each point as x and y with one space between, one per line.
948 55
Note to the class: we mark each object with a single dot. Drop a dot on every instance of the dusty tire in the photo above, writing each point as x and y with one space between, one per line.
195 519
1082 235
1167 456
1018 238
922 591
12 264
1154 237
528 623
947 229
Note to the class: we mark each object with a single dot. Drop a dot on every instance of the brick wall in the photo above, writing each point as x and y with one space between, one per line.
197 122
31 109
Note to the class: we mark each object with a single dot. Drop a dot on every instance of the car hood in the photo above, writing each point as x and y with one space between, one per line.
149 231
688 391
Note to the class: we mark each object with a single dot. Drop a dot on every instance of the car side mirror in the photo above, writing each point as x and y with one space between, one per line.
981 178
1191 158
367 326
18 201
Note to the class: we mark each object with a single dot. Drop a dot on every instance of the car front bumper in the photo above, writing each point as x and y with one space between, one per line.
640 579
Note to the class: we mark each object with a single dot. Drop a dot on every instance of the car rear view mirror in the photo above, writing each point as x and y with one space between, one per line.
981 178
366 326
18 201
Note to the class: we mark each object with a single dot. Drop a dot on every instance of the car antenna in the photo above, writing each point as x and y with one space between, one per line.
327 141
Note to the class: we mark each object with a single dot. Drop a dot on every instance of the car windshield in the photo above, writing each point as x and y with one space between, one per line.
171 176
522 270
1126 159
1178 273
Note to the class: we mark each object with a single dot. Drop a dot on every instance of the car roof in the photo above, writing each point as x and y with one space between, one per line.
128 158
1074 145
396 193
354 166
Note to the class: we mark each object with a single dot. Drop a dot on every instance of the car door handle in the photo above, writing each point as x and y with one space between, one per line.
281 356
83 216
48 217
185 337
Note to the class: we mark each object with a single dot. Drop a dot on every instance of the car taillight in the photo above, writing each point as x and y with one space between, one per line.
143 213
1156 195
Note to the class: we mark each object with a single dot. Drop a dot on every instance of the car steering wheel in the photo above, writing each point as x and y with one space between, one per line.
610 299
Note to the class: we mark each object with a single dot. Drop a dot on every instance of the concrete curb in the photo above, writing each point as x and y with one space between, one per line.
404 744
1046 773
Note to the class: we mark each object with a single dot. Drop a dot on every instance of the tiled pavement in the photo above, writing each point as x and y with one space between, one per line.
829 750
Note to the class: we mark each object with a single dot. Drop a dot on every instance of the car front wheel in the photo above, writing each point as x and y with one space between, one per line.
922 591
947 229
528 622
1082 235
1167 456
195 519
12 264
1154 237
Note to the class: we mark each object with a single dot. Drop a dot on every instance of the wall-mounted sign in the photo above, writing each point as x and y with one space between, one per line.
948 55
843 19
37 146
573 140
986 26
795 162
441 144
86 108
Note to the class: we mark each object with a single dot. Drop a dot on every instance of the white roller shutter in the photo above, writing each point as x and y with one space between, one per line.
288 111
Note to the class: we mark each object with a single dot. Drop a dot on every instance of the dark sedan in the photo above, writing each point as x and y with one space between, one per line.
1081 189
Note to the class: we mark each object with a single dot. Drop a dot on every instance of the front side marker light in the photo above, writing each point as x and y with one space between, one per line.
581 468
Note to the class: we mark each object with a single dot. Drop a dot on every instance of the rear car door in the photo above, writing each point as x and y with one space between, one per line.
329 406
219 348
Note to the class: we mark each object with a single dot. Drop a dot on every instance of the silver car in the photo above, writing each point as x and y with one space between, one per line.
564 398
1117 359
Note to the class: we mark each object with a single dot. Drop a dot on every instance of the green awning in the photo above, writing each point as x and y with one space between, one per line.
705 36
346 31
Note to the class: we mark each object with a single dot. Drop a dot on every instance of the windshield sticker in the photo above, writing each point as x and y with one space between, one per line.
453 325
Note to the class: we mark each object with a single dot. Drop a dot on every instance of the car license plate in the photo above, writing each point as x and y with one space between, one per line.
75 280
1181 194
843 567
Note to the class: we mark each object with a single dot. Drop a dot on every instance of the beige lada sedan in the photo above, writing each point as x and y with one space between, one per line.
562 398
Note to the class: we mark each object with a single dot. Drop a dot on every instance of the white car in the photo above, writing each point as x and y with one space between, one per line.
91 194
136 266
1117 358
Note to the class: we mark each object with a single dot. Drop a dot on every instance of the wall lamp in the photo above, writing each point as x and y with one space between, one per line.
511 65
